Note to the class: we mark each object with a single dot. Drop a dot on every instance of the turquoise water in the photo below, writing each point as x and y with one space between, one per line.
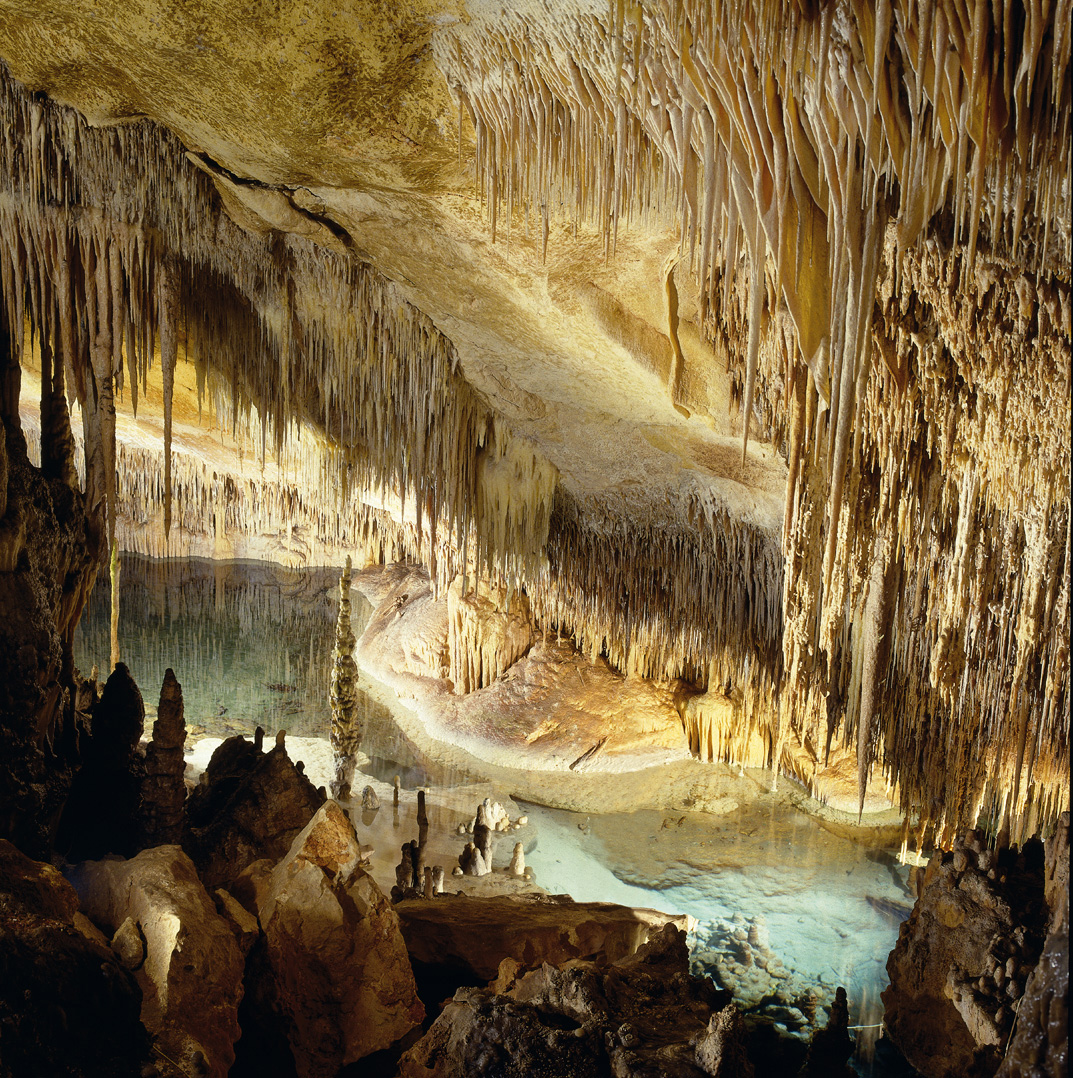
251 645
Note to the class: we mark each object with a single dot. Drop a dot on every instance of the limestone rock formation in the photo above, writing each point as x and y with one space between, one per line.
346 727
68 1007
641 1016
963 957
250 805
164 789
102 813
341 981
191 973
474 935
1040 1043
484 639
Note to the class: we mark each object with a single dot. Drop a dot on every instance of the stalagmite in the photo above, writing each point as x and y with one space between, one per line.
163 788
347 726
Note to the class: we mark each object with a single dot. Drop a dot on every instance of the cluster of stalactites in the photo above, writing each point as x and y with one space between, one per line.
115 250
806 154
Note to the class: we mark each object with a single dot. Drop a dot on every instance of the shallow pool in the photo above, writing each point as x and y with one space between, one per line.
786 911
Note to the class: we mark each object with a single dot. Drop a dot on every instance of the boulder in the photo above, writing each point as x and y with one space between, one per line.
642 1017
191 971
341 980
473 935
962 958
250 805
68 1008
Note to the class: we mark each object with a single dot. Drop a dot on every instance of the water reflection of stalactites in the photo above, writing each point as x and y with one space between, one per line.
250 642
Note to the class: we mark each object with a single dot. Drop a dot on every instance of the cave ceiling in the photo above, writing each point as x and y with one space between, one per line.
530 266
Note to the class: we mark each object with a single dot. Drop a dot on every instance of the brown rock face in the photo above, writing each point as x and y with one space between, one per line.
191 976
340 978
47 566
67 1006
251 805
101 815
643 1016
960 965
1040 1044
474 935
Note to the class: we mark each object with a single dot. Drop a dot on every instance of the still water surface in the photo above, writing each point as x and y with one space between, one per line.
251 644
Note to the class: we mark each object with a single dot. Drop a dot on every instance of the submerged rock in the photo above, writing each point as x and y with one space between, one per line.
67 1005
337 970
250 805
190 971
642 1016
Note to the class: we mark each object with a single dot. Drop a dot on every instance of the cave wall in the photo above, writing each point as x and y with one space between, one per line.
871 208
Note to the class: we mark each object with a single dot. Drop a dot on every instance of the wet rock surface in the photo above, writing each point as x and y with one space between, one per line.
189 966
68 1007
959 968
474 935
642 1016
249 805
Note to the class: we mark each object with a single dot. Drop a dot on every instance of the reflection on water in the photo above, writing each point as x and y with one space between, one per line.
251 644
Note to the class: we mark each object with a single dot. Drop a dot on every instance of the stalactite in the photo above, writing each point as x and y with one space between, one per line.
824 124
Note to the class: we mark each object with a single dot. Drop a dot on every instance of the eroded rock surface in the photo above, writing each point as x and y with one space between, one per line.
1040 1043
474 935
642 1016
250 805
68 1008
962 958
340 979
191 972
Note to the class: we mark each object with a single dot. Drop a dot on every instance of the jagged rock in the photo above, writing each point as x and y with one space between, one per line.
129 944
163 788
831 1046
49 551
721 1050
250 805
341 981
961 958
638 1018
369 799
1040 1044
101 815
191 977
242 923
67 1005
474 935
